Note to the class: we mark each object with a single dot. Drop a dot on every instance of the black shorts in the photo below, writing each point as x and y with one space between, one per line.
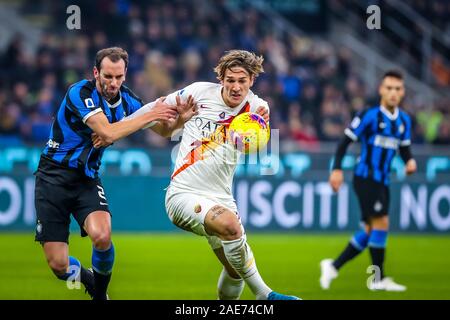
373 198
55 203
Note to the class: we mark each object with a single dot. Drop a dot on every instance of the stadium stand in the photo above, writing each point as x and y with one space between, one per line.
312 86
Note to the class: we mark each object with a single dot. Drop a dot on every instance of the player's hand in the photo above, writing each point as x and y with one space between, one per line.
188 109
262 111
163 112
336 179
411 167
98 142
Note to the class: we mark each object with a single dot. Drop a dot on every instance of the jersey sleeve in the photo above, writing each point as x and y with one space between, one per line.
171 98
358 125
134 102
140 111
258 102
192 89
405 139
139 108
81 102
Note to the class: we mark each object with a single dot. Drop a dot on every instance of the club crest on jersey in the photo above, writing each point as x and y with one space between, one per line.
39 227
401 128
378 206
382 125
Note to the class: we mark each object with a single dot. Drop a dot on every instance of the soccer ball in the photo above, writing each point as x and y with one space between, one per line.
248 132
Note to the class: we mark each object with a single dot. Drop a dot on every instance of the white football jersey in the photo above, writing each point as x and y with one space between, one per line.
205 164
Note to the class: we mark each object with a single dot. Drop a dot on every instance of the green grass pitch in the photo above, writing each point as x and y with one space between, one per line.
182 266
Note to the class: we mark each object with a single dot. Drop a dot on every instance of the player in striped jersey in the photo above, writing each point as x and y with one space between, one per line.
382 131
67 179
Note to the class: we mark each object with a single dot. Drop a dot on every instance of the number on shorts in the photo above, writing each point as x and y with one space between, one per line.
101 192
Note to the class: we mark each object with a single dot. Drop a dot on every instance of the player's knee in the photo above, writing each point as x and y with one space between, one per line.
380 223
385 222
101 239
231 230
58 265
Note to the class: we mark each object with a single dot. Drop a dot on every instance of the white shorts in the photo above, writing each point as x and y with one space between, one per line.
188 210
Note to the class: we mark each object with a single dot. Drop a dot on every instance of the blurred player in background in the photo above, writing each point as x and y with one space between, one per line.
199 198
67 179
382 130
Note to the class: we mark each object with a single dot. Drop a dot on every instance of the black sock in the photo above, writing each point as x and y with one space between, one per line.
377 255
87 278
349 253
101 284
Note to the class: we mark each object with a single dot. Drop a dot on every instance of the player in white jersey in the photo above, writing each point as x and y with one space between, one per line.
205 163
199 198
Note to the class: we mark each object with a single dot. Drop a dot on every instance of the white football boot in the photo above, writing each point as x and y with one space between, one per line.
327 273
387 284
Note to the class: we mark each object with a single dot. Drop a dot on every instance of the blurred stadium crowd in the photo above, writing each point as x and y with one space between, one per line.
311 86
406 31
436 11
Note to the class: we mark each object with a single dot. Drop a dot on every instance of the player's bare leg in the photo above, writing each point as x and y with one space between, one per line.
224 223
66 267
57 255
98 227
230 284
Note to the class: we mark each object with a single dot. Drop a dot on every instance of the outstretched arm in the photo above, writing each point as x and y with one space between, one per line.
186 110
106 133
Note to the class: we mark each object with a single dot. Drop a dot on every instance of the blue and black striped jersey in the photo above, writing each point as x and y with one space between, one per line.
70 145
381 133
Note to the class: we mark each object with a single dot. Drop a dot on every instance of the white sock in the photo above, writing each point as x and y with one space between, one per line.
229 288
240 256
